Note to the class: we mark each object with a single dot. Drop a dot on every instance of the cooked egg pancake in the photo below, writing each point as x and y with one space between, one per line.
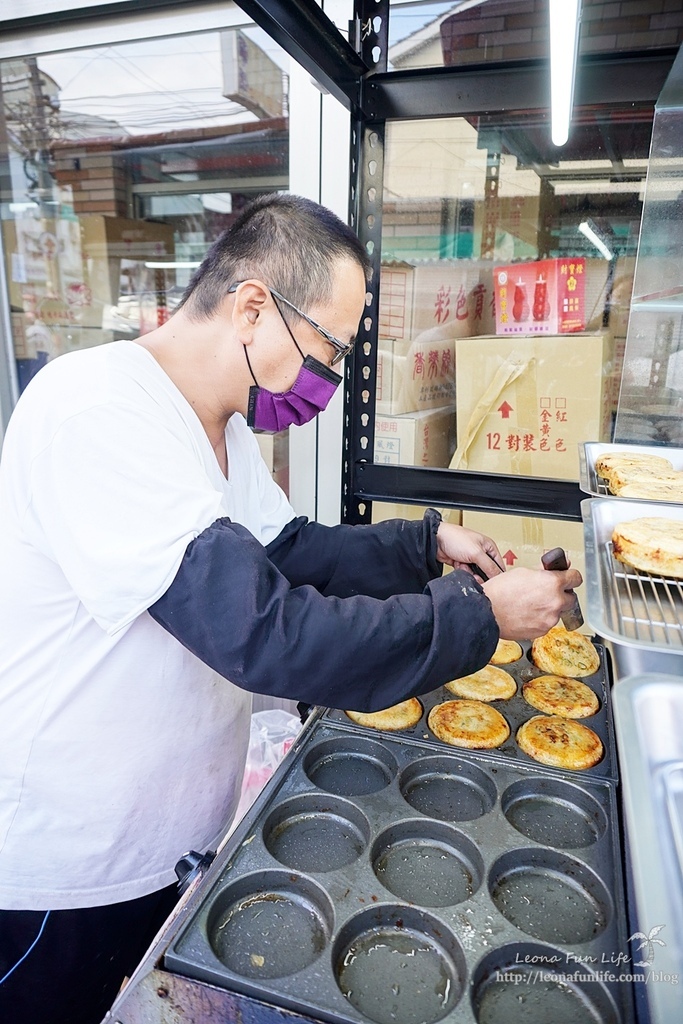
562 652
490 683
557 695
506 651
560 742
401 716
654 488
642 462
618 477
652 544
468 723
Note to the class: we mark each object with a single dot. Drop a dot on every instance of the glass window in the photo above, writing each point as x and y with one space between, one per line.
651 398
424 35
121 165
507 267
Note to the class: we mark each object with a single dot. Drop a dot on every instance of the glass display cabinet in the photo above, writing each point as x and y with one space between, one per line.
651 400
455 179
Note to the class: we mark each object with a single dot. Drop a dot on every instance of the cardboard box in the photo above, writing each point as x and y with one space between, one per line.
523 539
516 223
69 271
423 378
543 297
454 295
44 261
396 301
419 439
382 510
116 248
444 296
275 453
525 404
391 369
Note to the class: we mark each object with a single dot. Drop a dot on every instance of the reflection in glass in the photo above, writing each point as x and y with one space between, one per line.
492 31
120 166
651 401
502 320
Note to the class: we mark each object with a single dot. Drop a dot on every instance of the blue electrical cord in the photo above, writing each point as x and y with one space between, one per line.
29 950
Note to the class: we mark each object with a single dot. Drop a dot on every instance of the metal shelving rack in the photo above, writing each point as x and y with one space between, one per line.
356 73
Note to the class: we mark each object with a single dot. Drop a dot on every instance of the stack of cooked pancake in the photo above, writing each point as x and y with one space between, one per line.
640 475
651 544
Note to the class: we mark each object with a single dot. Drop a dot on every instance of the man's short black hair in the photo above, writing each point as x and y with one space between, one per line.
290 243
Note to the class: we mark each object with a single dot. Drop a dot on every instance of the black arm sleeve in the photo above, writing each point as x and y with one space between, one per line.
393 557
234 610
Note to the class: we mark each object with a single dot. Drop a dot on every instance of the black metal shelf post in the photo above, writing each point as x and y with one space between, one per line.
370 32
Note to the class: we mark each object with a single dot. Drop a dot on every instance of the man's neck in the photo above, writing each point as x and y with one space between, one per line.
189 354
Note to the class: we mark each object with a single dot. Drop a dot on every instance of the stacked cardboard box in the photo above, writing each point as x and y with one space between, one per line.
453 294
66 272
423 309
416 377
425 438
525 404
382 510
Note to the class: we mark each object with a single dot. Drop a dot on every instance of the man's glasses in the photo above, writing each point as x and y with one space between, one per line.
342 348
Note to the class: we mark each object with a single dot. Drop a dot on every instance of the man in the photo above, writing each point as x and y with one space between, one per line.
152 574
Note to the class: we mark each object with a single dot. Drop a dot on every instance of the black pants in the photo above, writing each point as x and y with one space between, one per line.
75 969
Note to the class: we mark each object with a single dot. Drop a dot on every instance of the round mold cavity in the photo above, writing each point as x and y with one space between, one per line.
554 813
316 833
534 984
399 965
249 920
427 863
350 766
448 788
550 896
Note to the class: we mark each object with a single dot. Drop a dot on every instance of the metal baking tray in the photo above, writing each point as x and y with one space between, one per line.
639 612
391 883
648 713
591 483
516 711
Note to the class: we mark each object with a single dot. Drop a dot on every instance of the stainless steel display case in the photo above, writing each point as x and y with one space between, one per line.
648 716
651 400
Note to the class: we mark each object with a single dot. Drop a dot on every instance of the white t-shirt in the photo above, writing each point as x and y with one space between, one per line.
119 749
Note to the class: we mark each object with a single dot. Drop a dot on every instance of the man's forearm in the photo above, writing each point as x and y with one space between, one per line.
394 557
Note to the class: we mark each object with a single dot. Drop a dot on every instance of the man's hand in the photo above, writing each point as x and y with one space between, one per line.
529 602
463 548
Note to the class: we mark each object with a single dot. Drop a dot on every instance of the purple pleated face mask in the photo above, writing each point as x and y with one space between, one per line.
309 394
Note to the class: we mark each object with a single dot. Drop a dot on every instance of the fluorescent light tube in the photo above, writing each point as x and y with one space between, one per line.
564 45
587 229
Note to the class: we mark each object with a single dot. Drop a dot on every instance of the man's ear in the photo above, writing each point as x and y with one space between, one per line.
250 299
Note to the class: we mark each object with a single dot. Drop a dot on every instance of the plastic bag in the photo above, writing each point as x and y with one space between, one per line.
272 734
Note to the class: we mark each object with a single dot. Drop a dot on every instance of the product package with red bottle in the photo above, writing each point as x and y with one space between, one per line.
543 297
